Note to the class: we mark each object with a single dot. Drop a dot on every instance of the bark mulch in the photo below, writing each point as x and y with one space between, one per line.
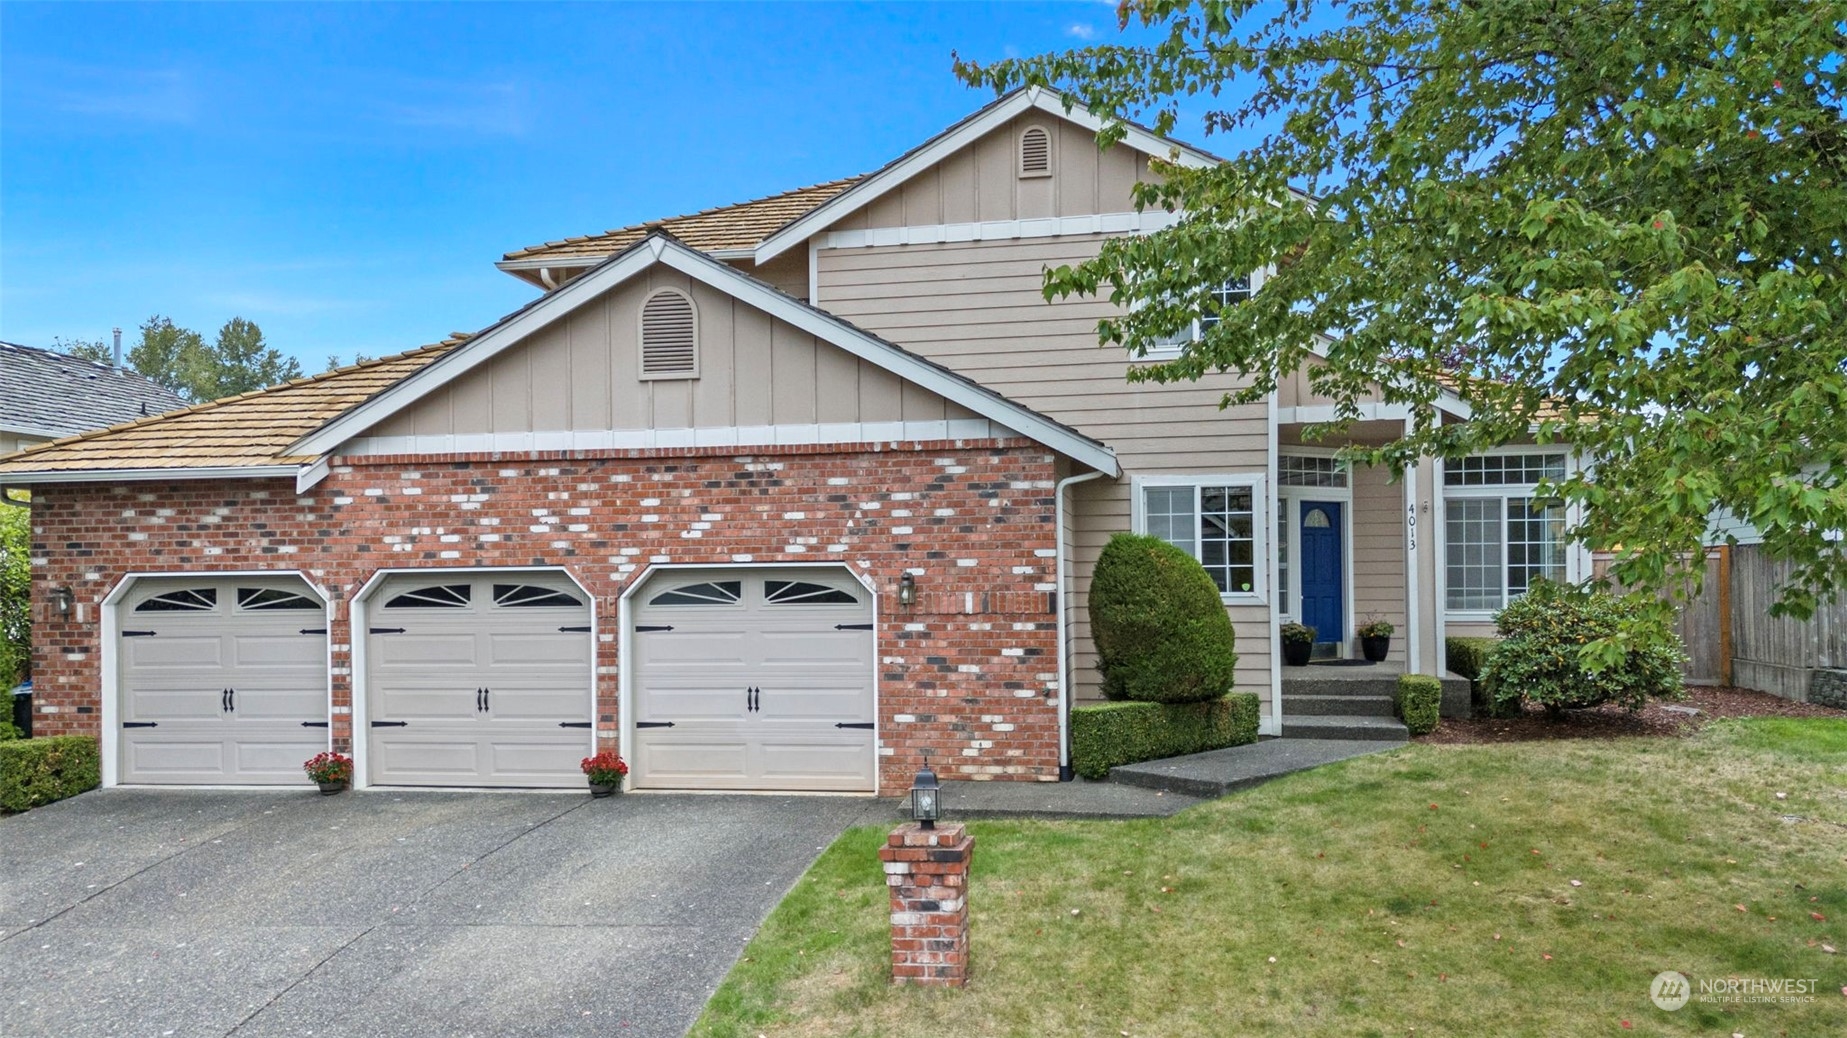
1613 722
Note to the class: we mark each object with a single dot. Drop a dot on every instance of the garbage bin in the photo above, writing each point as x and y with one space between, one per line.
22 709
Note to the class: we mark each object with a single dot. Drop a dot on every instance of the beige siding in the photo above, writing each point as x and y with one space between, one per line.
581 373
977 308
1292 390
1379 554
10 442
787 273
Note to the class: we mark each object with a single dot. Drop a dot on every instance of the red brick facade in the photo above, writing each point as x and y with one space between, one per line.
968 673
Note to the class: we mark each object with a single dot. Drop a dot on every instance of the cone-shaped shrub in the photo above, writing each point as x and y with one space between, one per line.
1161 631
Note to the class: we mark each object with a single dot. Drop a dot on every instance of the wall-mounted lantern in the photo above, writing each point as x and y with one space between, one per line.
907 589
63 602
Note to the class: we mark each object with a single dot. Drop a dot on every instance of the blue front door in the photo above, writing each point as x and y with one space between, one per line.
1323 573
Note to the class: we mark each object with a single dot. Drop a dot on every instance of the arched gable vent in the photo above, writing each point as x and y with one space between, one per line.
1035 152
669 336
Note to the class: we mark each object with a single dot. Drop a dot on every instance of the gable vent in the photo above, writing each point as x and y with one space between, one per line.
1035 152
669 336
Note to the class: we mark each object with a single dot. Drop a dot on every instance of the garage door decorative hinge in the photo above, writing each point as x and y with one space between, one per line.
312 630
654 724
852 627
141 724
314 724
576 630
645 628
573 724
391 724
854 724
139 634
385 630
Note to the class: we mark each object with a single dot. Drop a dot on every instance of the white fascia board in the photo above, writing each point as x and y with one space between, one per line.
23 479
578 261
308 475
869 348
947 144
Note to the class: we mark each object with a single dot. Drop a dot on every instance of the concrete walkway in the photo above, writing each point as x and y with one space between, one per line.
175 914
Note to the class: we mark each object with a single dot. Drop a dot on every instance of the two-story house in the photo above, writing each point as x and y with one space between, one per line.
784 495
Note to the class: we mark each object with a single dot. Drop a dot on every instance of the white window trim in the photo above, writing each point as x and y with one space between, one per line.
1161 353
1576 561
1261 517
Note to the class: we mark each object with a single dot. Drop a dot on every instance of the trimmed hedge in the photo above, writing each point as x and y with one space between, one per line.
1108 734
1160 628
1466 657
34 772
1419 702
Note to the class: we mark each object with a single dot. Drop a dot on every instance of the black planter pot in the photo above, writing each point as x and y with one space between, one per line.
1376 648
601 790
1296 654
330 788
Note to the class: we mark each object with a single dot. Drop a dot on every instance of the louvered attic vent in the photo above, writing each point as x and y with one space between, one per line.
669 336
1035 152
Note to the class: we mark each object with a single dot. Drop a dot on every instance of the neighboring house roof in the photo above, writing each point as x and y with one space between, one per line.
252 431
292 428
50 394
662 248
725 228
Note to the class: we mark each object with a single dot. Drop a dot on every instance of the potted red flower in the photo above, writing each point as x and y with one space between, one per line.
332 771
605 771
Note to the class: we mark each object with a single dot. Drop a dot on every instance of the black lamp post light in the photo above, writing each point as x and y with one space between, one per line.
926 797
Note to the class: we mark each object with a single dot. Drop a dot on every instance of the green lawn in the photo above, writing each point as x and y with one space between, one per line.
1428 891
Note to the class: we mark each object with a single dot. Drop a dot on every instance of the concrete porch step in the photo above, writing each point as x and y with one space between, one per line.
1217 772
1297 705
1344 726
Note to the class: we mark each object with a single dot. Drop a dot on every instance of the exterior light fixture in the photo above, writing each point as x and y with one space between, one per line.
926 796
63 602
907 589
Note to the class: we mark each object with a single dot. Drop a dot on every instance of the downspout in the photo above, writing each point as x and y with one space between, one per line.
1065 774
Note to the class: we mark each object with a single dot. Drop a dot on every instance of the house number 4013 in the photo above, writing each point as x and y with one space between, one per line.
1410 521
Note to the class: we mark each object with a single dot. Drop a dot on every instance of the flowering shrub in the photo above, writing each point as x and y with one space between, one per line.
605 769
329 767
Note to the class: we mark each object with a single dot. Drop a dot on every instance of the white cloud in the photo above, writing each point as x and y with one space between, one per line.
1081 31
152 95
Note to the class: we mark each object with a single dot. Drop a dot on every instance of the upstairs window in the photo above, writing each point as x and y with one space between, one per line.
1035 152
669 336
1226 294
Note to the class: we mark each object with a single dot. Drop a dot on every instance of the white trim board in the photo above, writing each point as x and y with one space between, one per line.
651 439
130 475
669 252
998 230
955 139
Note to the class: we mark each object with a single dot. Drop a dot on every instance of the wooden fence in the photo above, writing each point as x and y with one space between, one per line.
1705 622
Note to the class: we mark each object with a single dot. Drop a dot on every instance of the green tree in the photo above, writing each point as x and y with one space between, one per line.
241 361
1620 222
173 356
15 597
84 349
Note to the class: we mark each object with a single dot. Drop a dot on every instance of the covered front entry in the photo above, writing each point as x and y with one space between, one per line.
1324 605
220 680
477 679
756 678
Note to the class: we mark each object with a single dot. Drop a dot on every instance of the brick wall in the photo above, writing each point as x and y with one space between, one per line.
969 673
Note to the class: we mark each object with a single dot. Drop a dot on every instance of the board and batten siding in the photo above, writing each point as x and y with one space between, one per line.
583 373
976 308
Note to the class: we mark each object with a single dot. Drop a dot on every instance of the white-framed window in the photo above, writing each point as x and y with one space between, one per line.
1498 535
1226 294
1219 520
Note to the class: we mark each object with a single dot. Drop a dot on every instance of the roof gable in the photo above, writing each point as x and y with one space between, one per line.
663 250
929 154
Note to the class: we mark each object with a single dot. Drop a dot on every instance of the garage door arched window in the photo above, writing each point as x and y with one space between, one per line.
803 592
436 596
532 596
669 336
712 592
185 600
269 598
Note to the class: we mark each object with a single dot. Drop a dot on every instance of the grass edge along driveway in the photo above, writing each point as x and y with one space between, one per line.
1531 888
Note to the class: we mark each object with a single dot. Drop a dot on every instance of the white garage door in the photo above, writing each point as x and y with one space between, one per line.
478 679
221 680
754 679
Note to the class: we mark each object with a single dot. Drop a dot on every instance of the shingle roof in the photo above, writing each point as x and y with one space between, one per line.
252 429
46 393
739 226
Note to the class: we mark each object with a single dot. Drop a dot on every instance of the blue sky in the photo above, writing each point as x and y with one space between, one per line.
345 175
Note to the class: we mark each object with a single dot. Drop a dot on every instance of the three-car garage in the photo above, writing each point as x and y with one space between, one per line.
747 678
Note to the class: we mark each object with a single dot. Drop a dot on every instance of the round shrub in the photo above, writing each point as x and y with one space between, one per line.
1541 657
1161 631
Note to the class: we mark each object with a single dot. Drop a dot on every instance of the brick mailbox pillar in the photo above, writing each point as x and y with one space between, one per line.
927 872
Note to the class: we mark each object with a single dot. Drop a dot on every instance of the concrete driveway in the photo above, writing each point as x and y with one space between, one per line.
171 914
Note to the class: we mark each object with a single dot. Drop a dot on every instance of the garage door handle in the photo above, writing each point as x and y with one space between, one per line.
385 630
852 627
750 700
314 724
480 700
224 700
391 724
854 724
141 724
654 724
573 724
